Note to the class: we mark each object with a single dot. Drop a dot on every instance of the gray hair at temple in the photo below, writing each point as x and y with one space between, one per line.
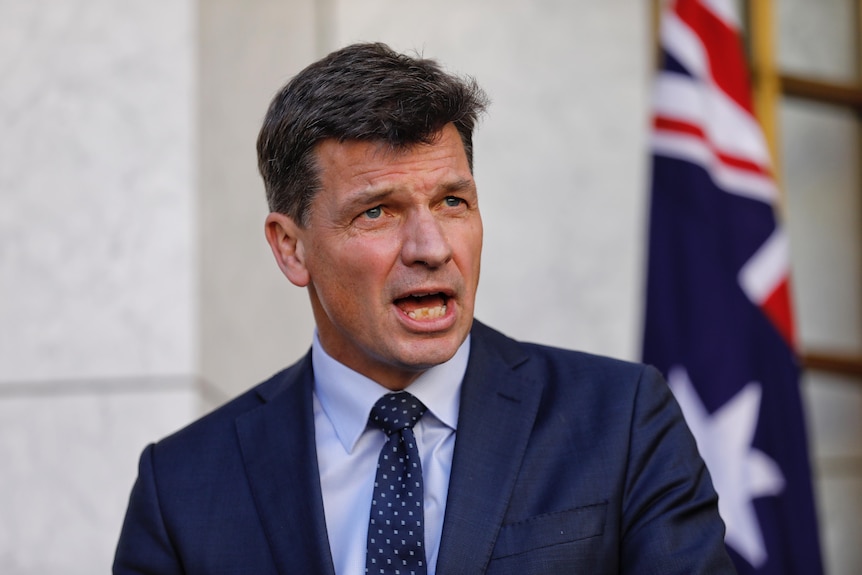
361 92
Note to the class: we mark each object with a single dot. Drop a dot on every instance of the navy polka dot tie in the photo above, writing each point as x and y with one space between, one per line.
396 528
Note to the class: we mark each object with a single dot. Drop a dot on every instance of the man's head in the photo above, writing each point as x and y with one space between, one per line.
363 92
375 210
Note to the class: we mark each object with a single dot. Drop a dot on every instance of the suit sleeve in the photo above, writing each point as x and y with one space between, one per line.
144 547
670 509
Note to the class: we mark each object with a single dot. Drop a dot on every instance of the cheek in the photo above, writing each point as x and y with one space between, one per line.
470 242
354 268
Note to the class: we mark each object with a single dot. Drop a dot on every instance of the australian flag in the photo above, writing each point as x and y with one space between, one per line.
718 314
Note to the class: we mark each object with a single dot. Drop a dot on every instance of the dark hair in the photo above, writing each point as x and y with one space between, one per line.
361 92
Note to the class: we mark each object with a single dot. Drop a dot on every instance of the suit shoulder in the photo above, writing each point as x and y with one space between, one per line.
586 363
558 361
218 424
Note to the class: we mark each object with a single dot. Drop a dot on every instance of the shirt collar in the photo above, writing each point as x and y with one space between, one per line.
347 397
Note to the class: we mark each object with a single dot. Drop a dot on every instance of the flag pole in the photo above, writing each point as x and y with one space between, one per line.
766 85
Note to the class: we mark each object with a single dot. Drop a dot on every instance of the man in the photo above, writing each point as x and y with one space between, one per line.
510 457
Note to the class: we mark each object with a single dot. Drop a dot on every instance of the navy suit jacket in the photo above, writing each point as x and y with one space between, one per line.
564 463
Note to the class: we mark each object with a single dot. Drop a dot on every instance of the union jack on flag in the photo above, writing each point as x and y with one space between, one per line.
718 310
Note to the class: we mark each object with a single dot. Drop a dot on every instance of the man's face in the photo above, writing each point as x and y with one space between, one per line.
391 255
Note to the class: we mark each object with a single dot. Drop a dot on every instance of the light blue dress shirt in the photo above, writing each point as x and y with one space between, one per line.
347 449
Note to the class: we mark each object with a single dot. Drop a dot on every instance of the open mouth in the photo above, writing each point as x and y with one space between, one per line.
424 306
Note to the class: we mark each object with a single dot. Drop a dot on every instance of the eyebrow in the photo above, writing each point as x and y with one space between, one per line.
459 186
366 197
371 197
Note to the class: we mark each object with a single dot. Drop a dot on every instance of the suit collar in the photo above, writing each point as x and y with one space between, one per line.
347 396
498 409
274 439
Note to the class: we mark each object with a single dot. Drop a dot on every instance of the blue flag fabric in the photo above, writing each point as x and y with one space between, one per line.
718 316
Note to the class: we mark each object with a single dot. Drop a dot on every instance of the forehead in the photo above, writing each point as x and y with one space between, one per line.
363 164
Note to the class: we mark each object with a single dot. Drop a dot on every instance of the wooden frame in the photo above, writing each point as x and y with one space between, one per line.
770 85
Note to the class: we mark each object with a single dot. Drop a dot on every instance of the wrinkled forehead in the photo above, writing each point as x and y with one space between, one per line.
382 149
358 156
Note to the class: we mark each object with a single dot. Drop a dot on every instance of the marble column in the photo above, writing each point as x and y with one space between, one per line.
97 266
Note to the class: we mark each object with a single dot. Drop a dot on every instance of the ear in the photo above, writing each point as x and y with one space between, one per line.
285 239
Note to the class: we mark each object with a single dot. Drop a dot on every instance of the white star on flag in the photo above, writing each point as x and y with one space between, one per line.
740 473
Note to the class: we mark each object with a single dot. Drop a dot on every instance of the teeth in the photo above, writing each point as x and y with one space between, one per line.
427 312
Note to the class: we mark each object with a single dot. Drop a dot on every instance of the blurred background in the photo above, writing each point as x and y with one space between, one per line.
137 291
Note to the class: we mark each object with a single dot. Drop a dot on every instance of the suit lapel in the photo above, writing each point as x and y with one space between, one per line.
277 443
498 408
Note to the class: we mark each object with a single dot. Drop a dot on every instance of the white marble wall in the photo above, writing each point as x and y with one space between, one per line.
69 453
96 188
252 322
97 266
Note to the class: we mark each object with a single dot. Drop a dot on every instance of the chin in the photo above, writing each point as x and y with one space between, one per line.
431 352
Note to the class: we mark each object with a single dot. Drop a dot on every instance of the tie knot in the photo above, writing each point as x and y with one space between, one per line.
395 411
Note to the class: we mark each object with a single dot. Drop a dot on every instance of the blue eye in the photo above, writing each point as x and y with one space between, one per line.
374 213
453 202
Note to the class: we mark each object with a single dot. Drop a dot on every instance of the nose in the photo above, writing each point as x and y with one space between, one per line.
424 241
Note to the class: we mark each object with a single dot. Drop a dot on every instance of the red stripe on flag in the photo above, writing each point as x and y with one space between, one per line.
661 123
776 307
723 49
741 164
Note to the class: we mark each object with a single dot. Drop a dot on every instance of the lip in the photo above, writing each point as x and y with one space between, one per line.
427 326
448 293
